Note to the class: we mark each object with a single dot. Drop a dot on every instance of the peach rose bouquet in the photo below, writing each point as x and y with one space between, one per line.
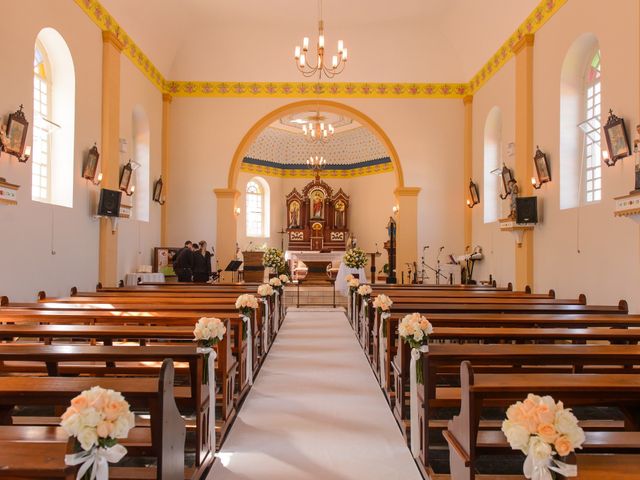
97 418
543 429
208 332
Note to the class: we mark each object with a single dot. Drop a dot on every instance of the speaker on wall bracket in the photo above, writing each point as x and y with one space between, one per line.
526 210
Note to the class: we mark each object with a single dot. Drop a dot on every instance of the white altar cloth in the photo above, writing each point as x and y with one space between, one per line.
341 282
313 256
131 279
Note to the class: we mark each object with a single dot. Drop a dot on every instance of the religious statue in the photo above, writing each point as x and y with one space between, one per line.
316 204
514 191
294 214
339 214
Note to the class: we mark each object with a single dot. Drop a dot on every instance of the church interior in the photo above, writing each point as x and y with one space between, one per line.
320 240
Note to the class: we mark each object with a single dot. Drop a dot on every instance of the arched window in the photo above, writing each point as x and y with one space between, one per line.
141 138
54 87
257 208
492 157
580 124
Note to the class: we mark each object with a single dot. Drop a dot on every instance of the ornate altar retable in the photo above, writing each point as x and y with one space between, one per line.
317 218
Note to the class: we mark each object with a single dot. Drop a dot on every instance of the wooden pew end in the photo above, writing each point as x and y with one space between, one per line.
4 301
527 289
509 285
552 293
99 286
582 299
42 295
121 283
74 291
174 432
623 305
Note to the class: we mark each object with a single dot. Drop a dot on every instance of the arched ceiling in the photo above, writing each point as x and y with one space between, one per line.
253 40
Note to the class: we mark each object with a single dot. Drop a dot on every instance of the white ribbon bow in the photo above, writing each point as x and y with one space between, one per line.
416 353
211 380
276 324
382 349
266 329
249 366
540 469
98 459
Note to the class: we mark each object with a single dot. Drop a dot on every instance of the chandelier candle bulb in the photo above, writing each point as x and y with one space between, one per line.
335 61
321 41
305 44
340 46
344 55
297 53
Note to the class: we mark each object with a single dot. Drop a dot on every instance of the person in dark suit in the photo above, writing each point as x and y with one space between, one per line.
202 263
183 264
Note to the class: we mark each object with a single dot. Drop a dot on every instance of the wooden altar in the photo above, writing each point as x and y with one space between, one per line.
317 218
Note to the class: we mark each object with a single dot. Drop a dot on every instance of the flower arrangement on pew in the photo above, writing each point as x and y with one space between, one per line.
208 332
354 283
365 291
382 304
415 329
97 418
274 258
246 303
284 279
265 290
542 429
276 284
355 258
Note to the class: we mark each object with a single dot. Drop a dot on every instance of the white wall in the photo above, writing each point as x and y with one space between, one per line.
31 230
608 265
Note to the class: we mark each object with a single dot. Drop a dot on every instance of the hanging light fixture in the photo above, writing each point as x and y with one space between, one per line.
316 163
316 130
308 67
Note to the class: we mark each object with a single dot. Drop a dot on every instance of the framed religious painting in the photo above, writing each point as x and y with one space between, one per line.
294 214
615 133
317 204
16 133
542 166
91 163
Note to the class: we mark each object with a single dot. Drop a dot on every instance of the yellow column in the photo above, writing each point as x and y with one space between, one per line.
110 155
227 223
524 150
468 166
407 229
166 105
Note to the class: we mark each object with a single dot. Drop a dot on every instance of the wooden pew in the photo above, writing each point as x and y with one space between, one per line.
16 390
466 441
36 452
444 359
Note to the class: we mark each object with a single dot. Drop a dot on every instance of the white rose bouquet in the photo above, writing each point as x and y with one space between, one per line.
415 330
265 290
276 283
348 278
382 304
541 429
355 258
354 283
97 418
273 258
208 332
364 290
284 279
246 303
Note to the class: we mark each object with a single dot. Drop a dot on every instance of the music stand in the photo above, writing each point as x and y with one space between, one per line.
233 267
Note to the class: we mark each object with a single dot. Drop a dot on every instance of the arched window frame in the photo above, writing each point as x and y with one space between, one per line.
42 107
54 127
257 208
492 152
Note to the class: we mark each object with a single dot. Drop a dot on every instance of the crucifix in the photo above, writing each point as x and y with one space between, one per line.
282 233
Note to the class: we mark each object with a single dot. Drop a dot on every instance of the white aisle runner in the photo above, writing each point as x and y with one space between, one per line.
315 412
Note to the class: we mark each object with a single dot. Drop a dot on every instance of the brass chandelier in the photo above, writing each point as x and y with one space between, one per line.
309 68
317 130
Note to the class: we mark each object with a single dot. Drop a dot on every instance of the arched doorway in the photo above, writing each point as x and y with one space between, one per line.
406 197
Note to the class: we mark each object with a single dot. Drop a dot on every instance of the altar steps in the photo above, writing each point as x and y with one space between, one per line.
311 295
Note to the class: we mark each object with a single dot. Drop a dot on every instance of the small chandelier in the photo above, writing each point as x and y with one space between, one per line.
316 130
316 163
308 68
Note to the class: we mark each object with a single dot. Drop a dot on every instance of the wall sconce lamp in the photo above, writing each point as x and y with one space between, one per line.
236 211
542 169
507 180
474 194
395 209
157 192
13 136
125 180
24 158
90 166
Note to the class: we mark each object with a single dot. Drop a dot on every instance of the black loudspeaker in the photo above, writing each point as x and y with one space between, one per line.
109 205
527 210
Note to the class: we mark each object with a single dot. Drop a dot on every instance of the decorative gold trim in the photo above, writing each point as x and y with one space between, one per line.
526 41
467 99
167 97
407 191
226 193
306 173
317 90
536 19
109 37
